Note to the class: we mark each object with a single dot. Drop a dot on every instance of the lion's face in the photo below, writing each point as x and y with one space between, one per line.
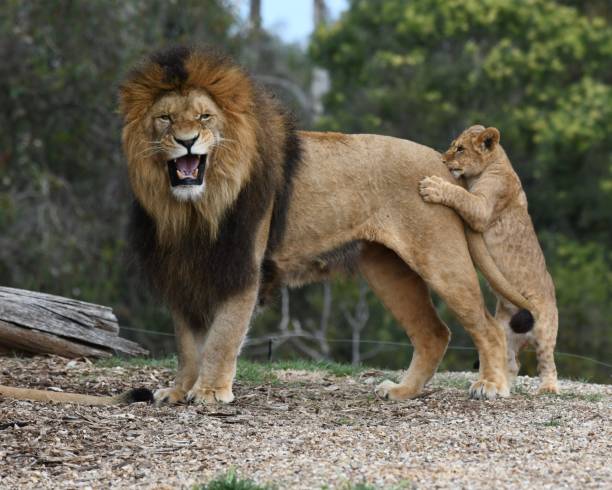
190 137
471 153
185 130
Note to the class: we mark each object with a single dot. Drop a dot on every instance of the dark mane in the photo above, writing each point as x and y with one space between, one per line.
196 272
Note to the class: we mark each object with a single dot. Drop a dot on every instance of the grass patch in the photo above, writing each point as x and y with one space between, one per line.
169 362
570 395
404 485
553 422
255 373
521 390
231 482
447 381
263 373
334 368
247 371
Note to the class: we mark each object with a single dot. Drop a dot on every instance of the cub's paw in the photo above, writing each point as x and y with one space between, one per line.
172 395
432 189
210 395
393 391
550 388
487 390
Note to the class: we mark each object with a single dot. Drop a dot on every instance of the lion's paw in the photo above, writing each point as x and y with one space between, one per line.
172 395
210 395
487 390
549 387
393 391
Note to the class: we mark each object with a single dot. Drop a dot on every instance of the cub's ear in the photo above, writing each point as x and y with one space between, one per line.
488 139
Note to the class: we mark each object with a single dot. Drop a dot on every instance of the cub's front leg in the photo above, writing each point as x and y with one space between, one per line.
221 348
475 209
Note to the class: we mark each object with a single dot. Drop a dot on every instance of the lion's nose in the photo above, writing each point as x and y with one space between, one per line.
186 143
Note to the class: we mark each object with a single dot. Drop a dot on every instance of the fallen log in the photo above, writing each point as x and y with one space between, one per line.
44 323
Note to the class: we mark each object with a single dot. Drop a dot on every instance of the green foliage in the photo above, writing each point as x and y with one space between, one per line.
64 200
231 482
334 368
255 373
169 362
583 278
538 70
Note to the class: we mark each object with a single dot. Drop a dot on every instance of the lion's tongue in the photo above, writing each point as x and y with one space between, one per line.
188 164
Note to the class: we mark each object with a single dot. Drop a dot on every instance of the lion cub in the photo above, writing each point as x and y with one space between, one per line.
495 205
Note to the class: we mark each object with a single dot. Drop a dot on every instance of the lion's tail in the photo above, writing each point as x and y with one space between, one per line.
483 260
130 396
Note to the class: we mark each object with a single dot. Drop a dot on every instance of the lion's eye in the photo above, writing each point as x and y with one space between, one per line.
204 117
459 149
165 117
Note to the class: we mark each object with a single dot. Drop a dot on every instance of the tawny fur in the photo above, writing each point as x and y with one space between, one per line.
494 204
131 396
345 189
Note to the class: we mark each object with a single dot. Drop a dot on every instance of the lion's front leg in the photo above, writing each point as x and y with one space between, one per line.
189 346
221 349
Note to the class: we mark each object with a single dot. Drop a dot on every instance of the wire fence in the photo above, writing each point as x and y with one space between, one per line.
272 339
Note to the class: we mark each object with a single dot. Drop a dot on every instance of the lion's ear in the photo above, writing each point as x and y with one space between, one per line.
488 139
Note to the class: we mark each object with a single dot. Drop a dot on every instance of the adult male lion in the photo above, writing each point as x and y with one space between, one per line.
232 200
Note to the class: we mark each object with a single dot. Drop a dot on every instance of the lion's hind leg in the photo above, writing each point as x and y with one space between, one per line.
447 267
406 295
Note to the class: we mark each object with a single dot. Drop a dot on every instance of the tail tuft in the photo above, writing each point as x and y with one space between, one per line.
137 395
522 321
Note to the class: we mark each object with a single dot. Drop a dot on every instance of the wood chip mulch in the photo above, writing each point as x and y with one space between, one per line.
305 430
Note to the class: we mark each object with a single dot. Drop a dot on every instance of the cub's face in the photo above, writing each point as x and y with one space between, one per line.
185 129
472 152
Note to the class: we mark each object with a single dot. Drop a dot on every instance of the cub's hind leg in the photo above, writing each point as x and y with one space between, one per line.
515 341
406 295
544 339
189 346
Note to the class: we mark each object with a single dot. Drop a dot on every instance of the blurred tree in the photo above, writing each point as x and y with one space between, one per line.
423 69
538 70
64 200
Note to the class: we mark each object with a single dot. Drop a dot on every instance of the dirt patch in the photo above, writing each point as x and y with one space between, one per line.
301 430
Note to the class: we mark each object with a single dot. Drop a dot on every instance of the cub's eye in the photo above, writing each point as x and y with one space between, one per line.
459 149
204 117
165 117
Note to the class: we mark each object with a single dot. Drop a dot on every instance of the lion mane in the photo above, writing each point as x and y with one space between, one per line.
197 254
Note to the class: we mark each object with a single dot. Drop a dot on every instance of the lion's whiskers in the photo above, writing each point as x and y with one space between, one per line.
150 151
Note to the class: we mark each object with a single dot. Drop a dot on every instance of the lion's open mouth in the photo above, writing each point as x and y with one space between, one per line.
187 170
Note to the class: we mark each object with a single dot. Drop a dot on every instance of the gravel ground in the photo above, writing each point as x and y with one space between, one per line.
303 430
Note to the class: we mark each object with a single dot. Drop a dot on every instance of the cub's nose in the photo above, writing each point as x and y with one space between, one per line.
186 143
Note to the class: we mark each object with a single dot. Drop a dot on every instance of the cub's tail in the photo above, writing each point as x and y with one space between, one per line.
130 396
522 321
